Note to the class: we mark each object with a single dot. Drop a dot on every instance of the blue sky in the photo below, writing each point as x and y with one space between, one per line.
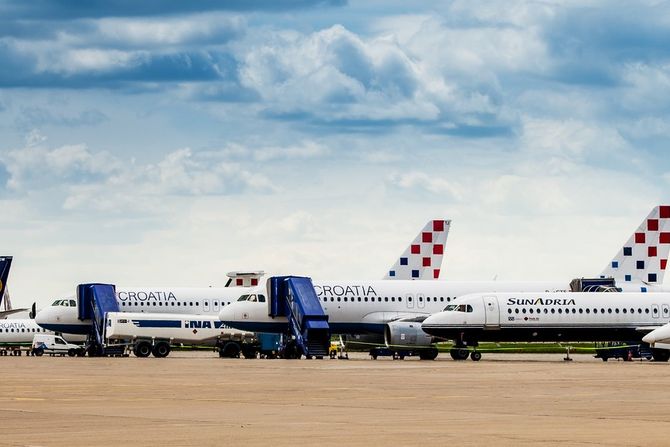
166 143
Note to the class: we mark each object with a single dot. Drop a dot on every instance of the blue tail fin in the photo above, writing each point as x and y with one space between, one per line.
5 265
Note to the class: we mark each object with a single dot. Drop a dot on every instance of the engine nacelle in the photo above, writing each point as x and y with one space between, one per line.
406 333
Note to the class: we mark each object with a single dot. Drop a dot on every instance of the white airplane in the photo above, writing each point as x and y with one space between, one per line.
394 308
18 331
420 260
528 317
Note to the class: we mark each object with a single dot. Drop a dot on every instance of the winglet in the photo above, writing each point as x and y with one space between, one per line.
644 257
423 258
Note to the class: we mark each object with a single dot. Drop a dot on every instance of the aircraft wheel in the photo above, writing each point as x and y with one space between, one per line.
142 349
428 354
161 349
476 356
660 355
459 353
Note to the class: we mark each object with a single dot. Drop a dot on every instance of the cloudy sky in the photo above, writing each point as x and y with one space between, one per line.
167 143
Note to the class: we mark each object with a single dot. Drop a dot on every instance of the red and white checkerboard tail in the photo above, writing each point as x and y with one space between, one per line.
423 258
644 257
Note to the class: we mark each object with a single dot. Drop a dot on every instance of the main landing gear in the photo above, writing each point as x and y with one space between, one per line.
461 353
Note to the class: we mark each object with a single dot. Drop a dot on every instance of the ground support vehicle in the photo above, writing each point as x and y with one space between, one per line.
54 345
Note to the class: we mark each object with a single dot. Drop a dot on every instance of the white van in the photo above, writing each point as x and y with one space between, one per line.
53 344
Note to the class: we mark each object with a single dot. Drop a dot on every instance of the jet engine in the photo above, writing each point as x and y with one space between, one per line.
406 333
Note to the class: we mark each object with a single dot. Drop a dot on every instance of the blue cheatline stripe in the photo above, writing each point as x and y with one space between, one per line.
157 323
68 328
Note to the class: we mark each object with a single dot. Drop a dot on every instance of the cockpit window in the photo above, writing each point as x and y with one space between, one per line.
252 298
66 303
459 308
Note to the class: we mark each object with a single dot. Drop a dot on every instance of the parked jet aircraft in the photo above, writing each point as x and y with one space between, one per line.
18 331
420 260
527 317
393 308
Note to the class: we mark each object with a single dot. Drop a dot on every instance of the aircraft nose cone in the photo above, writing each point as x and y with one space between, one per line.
227 314
41 317
660 335
431 320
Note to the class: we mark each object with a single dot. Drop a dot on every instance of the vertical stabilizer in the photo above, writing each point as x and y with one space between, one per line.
5 265
644 257
423 258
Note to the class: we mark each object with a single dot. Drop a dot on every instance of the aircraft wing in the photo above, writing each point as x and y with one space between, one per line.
5 313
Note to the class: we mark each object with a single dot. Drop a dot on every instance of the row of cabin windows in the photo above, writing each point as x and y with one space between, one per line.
587 310
172 303
23 330
386 299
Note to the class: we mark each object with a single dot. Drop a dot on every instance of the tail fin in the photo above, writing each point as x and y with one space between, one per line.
5 265
423 258
644 258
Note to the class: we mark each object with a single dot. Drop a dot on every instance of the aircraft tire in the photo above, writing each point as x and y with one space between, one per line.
161 349
476 356
459 353
428 354
142 349
660 355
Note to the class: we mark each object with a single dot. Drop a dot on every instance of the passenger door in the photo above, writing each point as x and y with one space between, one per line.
491 311
654 310
206 306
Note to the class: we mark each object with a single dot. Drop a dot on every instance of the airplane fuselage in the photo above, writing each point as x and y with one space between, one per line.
358 307
62 315
16 331
550 317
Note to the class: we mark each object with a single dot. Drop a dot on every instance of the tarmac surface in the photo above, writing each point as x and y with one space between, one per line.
196 398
